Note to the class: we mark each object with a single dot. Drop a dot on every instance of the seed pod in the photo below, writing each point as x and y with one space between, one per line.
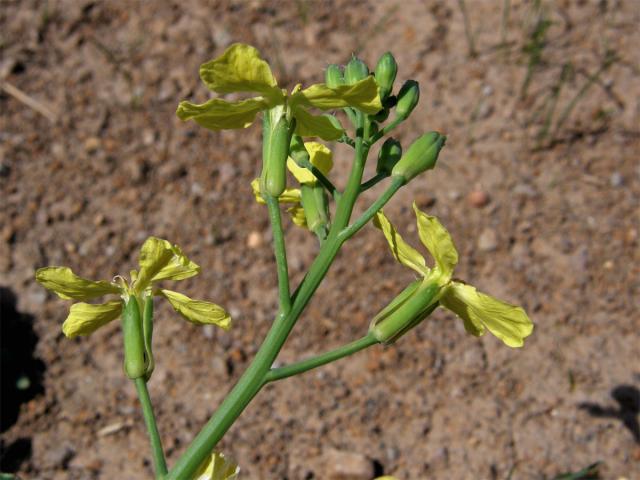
333 76
408 309
355 71
134 361
390 153
386 71
408 97
277 136
420 157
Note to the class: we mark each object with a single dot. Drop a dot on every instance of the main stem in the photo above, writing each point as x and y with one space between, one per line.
253 379
159 462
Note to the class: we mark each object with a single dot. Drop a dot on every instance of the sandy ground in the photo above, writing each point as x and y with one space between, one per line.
105 163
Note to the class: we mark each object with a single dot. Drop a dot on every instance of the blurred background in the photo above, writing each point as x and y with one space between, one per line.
539 185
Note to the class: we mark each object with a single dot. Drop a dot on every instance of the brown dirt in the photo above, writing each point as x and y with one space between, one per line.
559 235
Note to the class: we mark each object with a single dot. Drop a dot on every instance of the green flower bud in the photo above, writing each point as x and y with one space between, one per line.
333 76
355 71
297 150
390 153
147 329
134 361
386 71
408 97
414 304
420 157
316 206
275 151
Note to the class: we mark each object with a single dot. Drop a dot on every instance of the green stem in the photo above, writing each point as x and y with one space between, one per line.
319 360
385 131
372 182
159 462
252 380
326 183
396 184
280 253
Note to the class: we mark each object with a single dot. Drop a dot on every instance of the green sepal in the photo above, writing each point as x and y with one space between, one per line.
147 330
408 309
316 206
132 332
277 135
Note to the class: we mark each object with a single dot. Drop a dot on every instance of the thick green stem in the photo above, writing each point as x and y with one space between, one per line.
319 360
280 253
159 462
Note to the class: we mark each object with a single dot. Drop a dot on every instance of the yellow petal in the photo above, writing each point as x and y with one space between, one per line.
401 250
86 318
507 322
68 285
239 69
319 156
159 260
308 125
198 311
439 243
290 195
298 216
218 114
217 467
362 95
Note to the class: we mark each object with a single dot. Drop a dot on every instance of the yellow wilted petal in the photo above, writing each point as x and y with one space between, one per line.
68 285
198 311
508 322
439 243
290 195
298 216
319 156
362 95
401 250
218 114
86 318
159 260
239 69
308 125
217 467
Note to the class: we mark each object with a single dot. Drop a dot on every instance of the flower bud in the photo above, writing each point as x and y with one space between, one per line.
355 71
420 157
389 154
408 97
134 361
414 304
275 151
297 150
333 76
386 70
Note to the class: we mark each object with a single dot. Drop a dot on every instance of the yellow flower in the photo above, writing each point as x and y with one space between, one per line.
321 158
478 311
159 260
241 69
217 467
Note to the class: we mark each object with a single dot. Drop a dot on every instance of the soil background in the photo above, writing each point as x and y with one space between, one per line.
539 185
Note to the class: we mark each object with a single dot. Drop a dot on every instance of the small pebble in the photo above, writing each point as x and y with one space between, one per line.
254 240
616 180
91 144
488 240
478 198
347 465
